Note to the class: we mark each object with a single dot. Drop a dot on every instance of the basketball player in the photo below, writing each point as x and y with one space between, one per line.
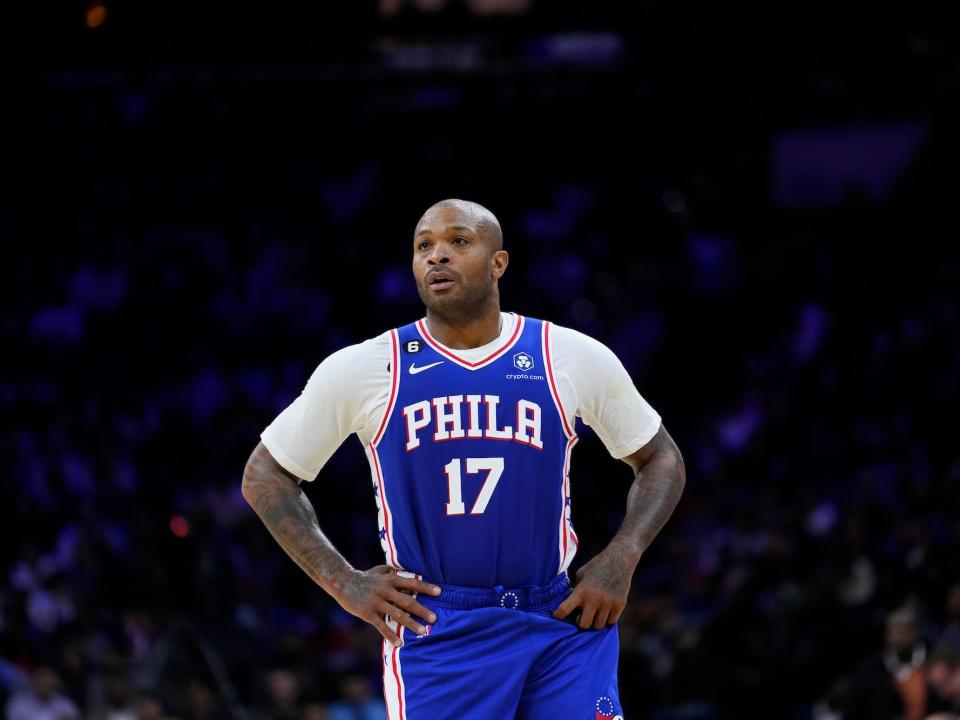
467 418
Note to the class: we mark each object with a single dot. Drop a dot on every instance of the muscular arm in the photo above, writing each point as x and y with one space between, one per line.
276 497
656 490
603 583
283 507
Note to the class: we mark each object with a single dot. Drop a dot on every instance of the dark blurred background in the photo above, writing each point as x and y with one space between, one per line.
755 208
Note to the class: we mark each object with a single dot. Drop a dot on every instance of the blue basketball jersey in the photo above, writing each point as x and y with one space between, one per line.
471 462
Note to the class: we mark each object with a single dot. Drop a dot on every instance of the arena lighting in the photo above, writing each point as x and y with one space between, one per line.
96 15
179 526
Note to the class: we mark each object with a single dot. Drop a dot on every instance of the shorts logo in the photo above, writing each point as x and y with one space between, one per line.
522 361
413 346
605 709
427 632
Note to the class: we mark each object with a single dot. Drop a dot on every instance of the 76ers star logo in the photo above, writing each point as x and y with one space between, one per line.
605 709
522 361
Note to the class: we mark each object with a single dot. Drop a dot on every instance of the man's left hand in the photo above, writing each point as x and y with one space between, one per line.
601 590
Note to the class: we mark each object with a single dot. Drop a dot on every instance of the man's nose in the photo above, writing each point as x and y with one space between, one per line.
438 255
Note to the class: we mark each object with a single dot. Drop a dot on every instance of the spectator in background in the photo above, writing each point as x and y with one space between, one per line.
315 711
283 697
118 701
358 701
42 700
202 703
951 630
891 684
149 707
943 682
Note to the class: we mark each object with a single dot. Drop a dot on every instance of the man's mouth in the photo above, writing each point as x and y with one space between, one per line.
440 282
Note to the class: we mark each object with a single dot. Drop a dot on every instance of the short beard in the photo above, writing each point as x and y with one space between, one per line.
470 306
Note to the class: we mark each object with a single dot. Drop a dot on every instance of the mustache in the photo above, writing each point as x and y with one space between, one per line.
445 273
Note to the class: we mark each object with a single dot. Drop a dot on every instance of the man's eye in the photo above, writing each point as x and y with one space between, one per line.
460 239
422 245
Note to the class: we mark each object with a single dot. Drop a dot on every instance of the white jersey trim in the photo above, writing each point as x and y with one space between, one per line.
384 516
568 538
394 689
449 353
394 386
548 359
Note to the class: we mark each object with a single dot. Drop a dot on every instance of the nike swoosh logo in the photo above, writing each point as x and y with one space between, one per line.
414 369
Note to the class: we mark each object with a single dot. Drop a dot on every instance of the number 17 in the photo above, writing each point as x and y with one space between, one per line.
474 465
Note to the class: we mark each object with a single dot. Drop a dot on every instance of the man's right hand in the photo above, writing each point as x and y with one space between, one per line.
276 496
378 592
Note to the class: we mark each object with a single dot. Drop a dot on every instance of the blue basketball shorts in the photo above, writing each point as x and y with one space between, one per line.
499 654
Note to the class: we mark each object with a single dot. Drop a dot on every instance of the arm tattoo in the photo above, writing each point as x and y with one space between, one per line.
276 497
654 494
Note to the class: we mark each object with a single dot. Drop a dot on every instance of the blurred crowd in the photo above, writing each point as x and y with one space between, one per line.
193 244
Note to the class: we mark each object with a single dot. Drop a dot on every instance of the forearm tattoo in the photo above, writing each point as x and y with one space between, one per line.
285 510
653 496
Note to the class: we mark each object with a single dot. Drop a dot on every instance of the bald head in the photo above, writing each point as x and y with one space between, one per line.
486 223
458 258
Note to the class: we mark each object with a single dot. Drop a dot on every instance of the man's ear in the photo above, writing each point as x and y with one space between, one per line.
499 262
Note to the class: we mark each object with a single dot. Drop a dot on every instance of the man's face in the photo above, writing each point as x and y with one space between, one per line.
455 265
953 602
901 635
45 683
953 687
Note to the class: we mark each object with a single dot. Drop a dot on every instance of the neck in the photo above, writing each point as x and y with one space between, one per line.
483 327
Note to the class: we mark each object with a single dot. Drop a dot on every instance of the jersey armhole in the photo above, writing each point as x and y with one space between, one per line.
394 386
551 380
